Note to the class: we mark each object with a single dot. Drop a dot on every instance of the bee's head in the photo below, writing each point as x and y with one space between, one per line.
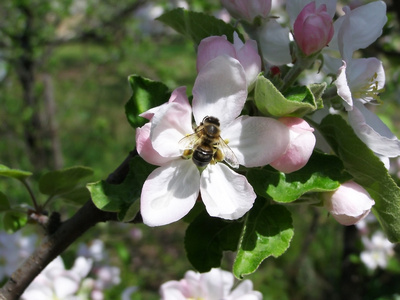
211 120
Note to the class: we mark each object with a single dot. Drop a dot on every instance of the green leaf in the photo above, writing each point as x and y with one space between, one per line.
367 170
207 237
196 25
14 173
14 220
4 203
297 102
322 173
318 89
268 231
146 94
77 196
62 181
120 197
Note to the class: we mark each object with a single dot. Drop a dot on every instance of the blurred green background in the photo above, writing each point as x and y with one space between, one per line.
63 86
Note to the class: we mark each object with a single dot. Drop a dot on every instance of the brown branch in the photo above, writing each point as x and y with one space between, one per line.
57 242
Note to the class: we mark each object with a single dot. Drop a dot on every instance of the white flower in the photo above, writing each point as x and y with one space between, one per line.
55 282
214 285
377 251
171 190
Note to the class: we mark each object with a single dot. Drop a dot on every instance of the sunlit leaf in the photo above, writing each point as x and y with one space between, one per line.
62 181
282 187
14 173
120 197
146 94
207 238
367 170
297 102
267 232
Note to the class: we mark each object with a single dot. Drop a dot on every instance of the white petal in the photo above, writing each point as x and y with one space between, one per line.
172 290
169 126
226 194
343 88
65 286
256 141
361 27
373 132
274 43
169 192
217 283
82 266
220 90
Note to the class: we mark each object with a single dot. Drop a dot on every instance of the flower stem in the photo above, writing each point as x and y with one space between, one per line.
35 203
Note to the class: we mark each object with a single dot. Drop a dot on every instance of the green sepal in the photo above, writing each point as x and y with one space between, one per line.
297 101
14 173
146 94
367 170
267 232
4 203
14 220
120 197
63 181
207 238
323 172
196 25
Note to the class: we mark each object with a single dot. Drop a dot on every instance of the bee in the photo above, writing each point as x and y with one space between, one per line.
206 145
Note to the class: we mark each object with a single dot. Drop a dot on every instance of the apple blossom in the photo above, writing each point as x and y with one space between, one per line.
301 146
170 191
313 28
247 10
377 251
348 204
55 282
245 53
214 285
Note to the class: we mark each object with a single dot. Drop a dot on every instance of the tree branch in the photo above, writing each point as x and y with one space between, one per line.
54 244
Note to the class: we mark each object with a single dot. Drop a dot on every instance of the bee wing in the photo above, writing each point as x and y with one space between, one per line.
189 141
229 155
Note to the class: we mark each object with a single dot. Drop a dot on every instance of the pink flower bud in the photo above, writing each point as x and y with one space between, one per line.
247 10
301 145
313 28
349 204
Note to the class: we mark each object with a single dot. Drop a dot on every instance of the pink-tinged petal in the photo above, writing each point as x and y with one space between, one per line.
248 56
301 146
247 10
274 43
169 192
373 132
294 8
349 204
169 126
226 194
145 148
343 88
358 31
220 90
178 96
211 47
256 141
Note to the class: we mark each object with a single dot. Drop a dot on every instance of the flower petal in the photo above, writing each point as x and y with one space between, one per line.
274 43
357 31
256 141
169 125
169 192
145 148
226 194
373 132
343 88
220 90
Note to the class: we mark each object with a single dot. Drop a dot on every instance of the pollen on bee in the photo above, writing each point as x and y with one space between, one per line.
187 154
218 155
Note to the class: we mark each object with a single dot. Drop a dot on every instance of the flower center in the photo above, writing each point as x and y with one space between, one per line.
370 91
